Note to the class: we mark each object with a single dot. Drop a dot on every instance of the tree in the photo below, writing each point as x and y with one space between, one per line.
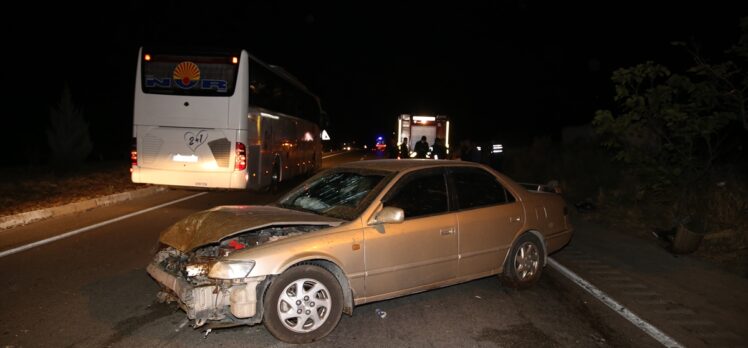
670 128
729 79
67 135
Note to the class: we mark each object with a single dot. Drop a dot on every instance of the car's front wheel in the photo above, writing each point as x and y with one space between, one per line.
524 263
303 304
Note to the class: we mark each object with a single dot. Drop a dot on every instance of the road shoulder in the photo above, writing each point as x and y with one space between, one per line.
693 301
11 221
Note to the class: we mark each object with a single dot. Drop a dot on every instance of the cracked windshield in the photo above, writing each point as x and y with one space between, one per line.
337 194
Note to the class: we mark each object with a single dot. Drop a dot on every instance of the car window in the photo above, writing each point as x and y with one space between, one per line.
475 187
419 194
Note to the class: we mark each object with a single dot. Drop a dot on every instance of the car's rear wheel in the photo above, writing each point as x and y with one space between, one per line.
303 304
525 262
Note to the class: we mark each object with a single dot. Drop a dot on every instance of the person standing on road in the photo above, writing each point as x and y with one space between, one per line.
392 150
439 151
404 150
422 148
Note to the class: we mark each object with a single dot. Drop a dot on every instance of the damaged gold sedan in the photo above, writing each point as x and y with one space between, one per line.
361 232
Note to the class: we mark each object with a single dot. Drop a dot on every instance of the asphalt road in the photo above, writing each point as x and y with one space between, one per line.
91 290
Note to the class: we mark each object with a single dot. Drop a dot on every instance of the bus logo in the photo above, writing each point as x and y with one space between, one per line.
186 75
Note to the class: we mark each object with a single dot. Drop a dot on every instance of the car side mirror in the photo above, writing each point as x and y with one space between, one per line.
388 215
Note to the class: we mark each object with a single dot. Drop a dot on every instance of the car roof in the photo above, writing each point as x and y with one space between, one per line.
397 165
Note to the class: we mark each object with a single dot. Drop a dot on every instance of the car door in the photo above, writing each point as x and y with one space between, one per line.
488 218
418 252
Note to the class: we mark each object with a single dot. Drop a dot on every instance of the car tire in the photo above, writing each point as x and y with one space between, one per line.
303 304
524 264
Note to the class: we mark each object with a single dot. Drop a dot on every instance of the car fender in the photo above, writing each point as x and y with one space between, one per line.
536 234
324 259
342 246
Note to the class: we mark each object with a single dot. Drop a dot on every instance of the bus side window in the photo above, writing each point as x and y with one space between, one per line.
262 87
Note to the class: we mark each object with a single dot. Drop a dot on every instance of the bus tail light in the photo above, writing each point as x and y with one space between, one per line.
134 152
241 157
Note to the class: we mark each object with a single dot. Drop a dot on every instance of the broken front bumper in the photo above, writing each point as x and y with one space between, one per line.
225 300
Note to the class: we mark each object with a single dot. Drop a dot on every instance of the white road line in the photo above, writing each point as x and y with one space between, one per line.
660 336
335 154
84 229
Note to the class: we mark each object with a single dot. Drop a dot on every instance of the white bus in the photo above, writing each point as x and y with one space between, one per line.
225 119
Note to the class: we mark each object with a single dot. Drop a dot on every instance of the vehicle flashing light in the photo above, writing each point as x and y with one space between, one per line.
134 153
446 140
424 118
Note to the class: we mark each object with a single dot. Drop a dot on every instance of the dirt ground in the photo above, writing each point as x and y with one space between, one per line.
24 189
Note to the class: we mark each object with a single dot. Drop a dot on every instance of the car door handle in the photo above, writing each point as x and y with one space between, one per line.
447 231
514 219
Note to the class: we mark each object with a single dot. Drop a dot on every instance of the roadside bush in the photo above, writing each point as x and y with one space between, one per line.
726 202
670 129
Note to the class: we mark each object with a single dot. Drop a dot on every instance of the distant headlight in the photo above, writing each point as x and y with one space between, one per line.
231 269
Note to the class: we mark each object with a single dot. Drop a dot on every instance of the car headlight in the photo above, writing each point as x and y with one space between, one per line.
231 269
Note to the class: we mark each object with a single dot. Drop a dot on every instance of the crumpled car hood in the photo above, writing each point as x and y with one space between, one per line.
210 226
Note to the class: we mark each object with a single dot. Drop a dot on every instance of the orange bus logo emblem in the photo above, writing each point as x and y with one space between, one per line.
186 75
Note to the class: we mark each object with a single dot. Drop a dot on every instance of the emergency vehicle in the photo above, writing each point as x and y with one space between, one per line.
414 127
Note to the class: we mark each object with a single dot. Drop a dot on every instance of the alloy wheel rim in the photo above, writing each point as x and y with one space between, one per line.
304 305
527 261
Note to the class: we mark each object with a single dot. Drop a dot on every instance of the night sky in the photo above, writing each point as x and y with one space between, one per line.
505 71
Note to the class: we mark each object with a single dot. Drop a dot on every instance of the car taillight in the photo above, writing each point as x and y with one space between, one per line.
134 153
241 157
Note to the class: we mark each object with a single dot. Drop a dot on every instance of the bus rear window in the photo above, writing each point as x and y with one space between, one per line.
189 75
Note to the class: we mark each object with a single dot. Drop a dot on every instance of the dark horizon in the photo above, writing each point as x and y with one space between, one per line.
505 71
